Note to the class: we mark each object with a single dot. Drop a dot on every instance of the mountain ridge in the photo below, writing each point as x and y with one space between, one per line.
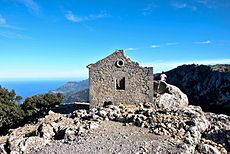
205 85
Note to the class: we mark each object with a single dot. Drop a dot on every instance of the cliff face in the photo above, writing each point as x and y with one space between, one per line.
205 86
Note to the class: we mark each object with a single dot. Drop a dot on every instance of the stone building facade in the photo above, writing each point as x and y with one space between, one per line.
117 79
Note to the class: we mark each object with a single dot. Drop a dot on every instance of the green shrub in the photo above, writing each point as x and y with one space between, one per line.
11 115
37 103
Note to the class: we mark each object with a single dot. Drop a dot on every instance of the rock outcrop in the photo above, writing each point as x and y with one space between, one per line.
54 126
219 132
169 96
205 86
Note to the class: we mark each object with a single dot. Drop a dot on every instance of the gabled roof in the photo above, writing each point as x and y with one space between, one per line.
117 52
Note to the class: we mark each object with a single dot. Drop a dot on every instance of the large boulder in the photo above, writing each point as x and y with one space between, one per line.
170 96
22 144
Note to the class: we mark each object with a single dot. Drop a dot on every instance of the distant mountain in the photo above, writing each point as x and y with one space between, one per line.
205 86
74 91
81 96
73 86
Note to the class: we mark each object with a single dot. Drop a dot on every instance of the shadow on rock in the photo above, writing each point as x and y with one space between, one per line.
220 136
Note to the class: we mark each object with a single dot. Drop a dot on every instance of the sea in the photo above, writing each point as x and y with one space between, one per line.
30 88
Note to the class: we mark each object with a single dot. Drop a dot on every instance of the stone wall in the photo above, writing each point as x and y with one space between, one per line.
116 79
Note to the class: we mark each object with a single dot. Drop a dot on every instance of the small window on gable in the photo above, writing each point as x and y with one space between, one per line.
120 83
119 63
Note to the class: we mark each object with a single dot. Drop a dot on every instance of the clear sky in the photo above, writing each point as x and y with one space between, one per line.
55 39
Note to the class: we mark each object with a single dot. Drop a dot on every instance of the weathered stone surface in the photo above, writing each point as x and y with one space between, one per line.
219 131
166 101
207 149
179 95
113 83
53 126
34 142
2 149
102 113
21 144
171 98
217 146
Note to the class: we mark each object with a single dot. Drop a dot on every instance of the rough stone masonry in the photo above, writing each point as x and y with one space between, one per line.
117 79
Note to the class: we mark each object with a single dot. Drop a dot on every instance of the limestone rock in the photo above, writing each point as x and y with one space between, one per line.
93 125
35 142
219 130
102 113
178 94
70 135
46 131
2 149
22 144
207 149
166 101
172 97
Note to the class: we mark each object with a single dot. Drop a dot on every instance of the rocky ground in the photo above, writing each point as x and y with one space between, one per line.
113 137
168 126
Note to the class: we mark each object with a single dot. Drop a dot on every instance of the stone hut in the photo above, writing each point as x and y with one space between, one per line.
117 79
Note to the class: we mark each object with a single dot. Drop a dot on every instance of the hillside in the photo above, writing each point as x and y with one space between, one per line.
74 91
73 86
80 96
205 86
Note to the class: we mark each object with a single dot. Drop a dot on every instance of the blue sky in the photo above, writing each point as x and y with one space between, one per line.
56 39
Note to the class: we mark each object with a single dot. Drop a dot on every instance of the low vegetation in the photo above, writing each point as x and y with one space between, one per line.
12 114
37 103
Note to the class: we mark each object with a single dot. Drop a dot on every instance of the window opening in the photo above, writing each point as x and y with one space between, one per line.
120 83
